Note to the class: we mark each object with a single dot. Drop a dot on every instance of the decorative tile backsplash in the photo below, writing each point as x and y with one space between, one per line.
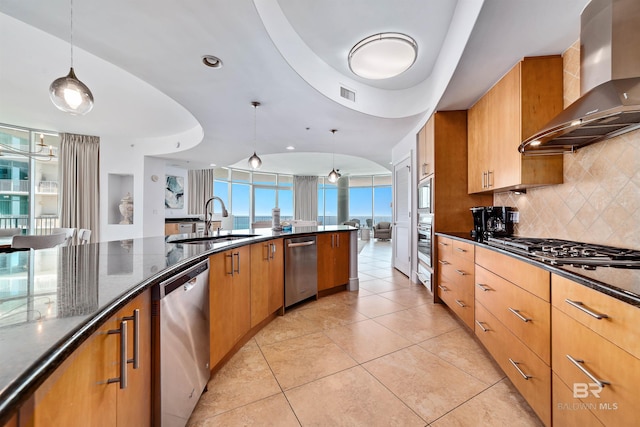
599 201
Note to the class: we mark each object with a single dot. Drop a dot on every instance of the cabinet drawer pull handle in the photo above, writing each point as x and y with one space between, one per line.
460 303
461 250
273 250
580 306
443 262
122 379
518 315
484 288
230 256
237 255
515 365
484 180
578 363
136 335
479 323
489 180
443 244
443 288
460 272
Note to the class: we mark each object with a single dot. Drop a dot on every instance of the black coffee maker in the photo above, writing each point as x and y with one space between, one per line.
491 221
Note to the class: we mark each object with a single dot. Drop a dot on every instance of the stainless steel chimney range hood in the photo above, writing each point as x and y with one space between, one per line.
609 78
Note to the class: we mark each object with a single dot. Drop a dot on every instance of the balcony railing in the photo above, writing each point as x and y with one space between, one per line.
48 187
14 186
42 224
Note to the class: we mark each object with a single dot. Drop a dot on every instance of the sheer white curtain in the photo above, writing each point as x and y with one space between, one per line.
200 189
80 182
305 198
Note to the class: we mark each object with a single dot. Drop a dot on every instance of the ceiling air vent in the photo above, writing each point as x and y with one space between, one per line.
347 94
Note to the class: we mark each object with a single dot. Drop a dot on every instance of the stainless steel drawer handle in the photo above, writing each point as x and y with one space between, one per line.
460 303
460 272
482 326
578 363
237 255
297 245
515 365
122 379
518 315
484 288
443 288
136 334
443 244
443 262
461 250
580 306
230 256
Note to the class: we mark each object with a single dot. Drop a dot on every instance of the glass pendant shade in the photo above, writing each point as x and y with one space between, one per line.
71 95
254 161
333 176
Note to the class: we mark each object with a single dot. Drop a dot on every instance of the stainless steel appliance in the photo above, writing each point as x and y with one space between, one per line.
491 221
425 249
300 269
565 252
425 196
180 321
425 238
609 81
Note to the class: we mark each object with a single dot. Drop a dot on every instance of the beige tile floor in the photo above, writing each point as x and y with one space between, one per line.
385 355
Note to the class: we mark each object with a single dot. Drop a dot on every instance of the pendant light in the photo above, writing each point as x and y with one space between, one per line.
68 93
333 175
254 161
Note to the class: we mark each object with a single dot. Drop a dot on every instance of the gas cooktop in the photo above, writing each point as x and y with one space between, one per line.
565 252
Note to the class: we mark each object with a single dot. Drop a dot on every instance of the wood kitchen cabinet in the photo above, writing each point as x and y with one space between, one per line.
333 259
513 321
78 393
267 279
516 107
600 334
455 277
426 147
229 300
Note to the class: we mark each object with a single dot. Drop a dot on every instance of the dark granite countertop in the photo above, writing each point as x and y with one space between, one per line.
64 294
184 219
620 283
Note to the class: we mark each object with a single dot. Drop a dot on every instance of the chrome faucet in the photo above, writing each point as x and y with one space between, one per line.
208 216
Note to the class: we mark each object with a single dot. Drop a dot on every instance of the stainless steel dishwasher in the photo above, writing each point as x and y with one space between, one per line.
300 269
180 319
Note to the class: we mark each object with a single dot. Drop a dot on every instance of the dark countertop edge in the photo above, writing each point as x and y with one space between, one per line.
14 395
605 288
182 219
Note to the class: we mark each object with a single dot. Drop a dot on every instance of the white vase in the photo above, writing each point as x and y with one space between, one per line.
126 209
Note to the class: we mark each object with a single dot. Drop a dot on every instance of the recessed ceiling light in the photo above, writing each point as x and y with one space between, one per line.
212 61
291 147
382 56
212 164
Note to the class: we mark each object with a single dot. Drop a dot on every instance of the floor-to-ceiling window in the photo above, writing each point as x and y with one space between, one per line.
382 199
327 202
250 196
28 183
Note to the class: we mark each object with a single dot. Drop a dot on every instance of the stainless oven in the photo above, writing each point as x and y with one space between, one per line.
425 237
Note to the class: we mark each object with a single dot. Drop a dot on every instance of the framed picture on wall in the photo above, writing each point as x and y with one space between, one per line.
174 192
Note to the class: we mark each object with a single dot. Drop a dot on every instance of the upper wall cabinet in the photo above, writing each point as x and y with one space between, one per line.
523 101
426 142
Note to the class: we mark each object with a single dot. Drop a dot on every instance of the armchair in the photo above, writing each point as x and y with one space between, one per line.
382 230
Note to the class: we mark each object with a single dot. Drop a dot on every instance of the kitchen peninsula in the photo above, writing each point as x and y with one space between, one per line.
85 286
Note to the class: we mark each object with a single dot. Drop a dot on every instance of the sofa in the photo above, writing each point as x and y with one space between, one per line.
382 230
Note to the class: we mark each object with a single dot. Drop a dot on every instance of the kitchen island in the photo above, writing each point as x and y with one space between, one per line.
72 291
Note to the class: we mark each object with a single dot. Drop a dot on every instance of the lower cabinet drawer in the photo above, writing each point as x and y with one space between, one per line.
526 315
569 411
595 359
528 373
459 298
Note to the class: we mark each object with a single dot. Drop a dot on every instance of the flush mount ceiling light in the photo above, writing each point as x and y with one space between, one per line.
382 56
254 161
212 61
68 93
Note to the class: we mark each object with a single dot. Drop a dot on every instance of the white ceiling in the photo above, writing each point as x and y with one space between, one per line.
142 61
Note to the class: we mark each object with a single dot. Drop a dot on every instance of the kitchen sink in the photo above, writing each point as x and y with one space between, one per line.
213 239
